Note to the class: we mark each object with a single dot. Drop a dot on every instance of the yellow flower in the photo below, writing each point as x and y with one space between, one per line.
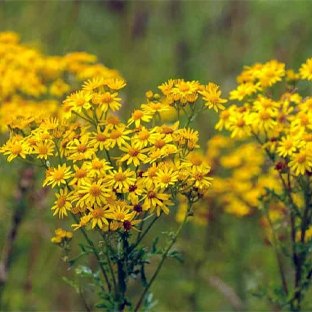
107 101
84 220
80 149
99 139
306 70
15 147
134 154
156 200
271 72
119 136
212 96
166 177
239 126
78 101
287 146
57 176
143 137
121 180
61 235
92 193
62 204
44 149
199 177
224 120
301 162
80 174
97 167
138 116
115 83
98 217
243 91
121 212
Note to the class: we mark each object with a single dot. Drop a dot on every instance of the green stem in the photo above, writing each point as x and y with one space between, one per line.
164 256
97 255
144 233
108 247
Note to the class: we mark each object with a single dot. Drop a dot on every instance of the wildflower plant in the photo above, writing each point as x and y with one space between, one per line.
114 180
272 106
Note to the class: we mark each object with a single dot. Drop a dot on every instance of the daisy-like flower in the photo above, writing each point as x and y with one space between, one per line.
271 73
98 217
107 101
200 178
99 139
306 69
287 146
166 177
239 126
15 147
92 193
115 83
185 91
133 155
223 120
121 211
80 149
121 180
57 176
44 149
301 162
80 174
84 220
138 116
262 120
62 204
243 91
212 96
143 137
156 200
119 136
78 101
97 167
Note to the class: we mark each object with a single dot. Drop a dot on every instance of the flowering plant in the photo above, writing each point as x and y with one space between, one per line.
116 179
275 111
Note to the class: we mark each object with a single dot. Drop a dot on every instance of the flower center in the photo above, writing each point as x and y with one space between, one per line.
61 201
160 143
101 137
80 173
138 114
133 152
81 148
97 164
166 178
58 175
143 135
16 149
98 213
151 194
301 158
119 177
95 190
115 134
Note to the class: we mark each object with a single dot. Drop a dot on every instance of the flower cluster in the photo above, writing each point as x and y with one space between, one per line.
111 174
61 236
240 178
280 121
273 106
32 83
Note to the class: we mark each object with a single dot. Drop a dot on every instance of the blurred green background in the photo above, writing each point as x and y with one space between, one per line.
150 42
